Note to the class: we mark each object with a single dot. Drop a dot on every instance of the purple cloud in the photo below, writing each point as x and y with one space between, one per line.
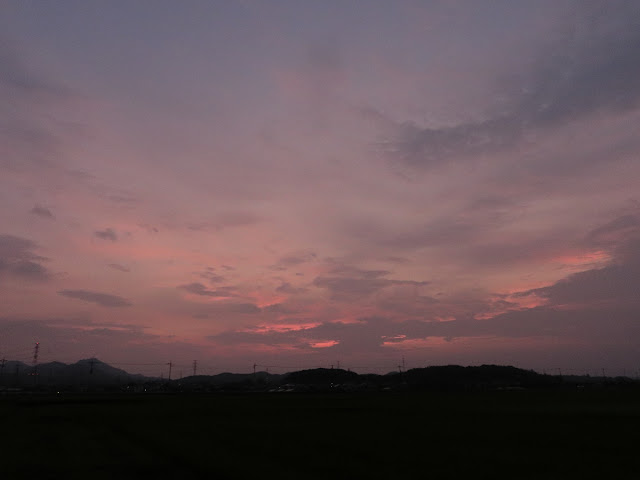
102 299
41 211
18 260
106 234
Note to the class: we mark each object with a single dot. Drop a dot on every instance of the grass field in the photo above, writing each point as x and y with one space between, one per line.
577 434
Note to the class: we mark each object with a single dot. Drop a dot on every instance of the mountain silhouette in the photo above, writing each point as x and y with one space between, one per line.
322 376
92 373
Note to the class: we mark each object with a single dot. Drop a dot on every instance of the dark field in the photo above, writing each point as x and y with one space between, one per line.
510 434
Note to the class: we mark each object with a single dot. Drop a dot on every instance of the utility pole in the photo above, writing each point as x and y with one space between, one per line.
170 365
2 367
91 362
254 369
195 367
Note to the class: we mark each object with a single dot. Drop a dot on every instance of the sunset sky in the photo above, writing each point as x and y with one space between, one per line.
301 183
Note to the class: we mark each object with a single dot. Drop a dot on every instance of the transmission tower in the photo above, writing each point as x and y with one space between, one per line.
35 354
36 349
195 367
35 362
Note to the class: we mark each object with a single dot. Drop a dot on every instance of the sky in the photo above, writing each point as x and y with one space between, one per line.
298 184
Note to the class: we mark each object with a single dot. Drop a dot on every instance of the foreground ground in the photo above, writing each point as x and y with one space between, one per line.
508 434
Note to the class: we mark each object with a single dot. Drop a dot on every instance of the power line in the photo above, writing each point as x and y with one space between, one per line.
138 364
20 352
286 366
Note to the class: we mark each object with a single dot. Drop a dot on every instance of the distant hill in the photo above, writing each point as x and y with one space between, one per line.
229 381
448 377
87 372
485 376
92 373
322 376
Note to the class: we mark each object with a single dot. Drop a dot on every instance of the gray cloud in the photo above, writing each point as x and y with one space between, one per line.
148 228
437 233
289 289
395 259
593 326
212 276
593 67
16 76
30 270
226 308
365 336
346 282
223 304
41 211
102 299
590 309
469 234
280 308
122 198
614 284
447 230
120 268
225 220
294 259
18 260
516 249
346 270
198 288
17 247
618 231
106 234
28 139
